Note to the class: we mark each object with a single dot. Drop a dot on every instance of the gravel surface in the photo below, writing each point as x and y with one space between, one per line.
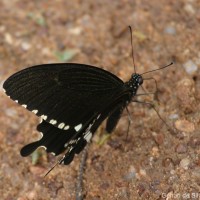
153 161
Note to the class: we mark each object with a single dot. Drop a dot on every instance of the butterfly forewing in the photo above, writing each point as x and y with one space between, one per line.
63 94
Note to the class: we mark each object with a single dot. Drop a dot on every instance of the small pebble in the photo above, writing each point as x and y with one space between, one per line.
159 138
8 38
155 152
170 30
131 174
75 30
46 51
143 172
168 162
196 174
25 46
180 135
32 195
140 189
115 144
104 186
184 163
194 142
184 125
99 166
124 194
189 9
120 183
181 148
173 116
172 179
153 185
186 94
190 67
10 112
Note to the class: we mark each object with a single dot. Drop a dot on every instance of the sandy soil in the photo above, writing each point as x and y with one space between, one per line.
154 162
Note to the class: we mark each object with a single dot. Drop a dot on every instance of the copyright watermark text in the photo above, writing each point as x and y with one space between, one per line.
186 195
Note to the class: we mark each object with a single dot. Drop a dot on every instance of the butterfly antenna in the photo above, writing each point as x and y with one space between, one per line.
158 68
132 48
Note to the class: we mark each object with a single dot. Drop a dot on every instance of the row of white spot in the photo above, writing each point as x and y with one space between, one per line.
88 133
53 121
61 125
87 137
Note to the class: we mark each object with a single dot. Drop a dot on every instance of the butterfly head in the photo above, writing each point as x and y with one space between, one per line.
135 81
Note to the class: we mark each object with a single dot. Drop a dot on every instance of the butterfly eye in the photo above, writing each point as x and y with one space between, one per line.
140 80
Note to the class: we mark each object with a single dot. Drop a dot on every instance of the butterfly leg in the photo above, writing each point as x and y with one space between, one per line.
156 92
129 122
114 118
152 106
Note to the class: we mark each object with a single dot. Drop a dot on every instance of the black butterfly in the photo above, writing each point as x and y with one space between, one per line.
72 101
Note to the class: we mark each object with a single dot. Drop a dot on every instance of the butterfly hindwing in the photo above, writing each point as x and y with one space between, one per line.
112 111
53 139
57 141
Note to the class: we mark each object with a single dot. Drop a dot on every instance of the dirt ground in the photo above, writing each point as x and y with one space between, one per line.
154 162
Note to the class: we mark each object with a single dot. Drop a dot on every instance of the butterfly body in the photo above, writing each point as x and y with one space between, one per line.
72 101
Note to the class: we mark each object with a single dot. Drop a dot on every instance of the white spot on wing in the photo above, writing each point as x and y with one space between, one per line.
88 136
41 134
44 117
35 111
66 127
24 105
44 147
53 153
16 101
61 125
53 122
72 141
70 149
66 144
98 116
78 127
